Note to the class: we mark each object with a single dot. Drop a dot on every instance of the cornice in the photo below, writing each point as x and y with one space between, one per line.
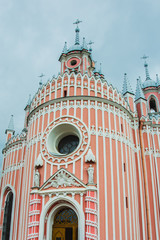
12 144
91 98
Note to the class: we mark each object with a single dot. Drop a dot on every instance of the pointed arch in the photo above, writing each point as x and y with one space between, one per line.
153 104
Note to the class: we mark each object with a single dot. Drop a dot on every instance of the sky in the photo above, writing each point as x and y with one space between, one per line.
32 36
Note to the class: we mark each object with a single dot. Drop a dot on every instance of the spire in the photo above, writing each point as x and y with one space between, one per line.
77 32
11 124
146 67
139 92
65 48
126 85
84 45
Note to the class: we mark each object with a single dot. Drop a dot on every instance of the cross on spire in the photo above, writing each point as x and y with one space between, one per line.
77 22
144 57
77 31
90 44
146 67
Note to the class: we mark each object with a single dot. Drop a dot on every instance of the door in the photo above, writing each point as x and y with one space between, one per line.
58 234
65 225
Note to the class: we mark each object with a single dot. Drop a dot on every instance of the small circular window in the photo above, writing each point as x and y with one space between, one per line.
73 62
68 144
63 139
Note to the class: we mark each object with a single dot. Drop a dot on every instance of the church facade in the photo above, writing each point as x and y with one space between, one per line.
86 166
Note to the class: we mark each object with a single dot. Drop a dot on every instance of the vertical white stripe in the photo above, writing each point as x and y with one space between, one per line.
118 180
112 180
124 190
153 187
129 199
97 159
105 173
140 179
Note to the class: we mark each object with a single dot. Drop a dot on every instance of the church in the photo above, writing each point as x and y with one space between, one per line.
86 165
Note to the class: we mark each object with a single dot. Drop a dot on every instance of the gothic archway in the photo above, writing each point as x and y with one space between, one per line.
65 225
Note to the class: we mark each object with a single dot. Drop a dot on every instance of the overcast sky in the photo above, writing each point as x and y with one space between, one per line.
32 36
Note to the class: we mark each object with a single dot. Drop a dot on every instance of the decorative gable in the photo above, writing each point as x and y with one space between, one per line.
62 178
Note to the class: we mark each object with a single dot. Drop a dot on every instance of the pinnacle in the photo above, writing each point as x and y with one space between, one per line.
139 92
11 123
126 86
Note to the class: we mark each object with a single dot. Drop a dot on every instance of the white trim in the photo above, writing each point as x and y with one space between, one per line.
70 202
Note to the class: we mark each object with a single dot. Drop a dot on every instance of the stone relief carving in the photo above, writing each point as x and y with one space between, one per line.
36 178
62 179
90 156
90 174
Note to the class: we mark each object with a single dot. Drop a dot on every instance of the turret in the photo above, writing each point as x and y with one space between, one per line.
140 100
128 93
10 130
151 90
77 58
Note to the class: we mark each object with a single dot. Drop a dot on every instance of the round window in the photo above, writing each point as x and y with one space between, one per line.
73 62
63 139
68 144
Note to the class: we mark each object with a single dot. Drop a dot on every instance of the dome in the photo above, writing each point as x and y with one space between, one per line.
149 83
75 48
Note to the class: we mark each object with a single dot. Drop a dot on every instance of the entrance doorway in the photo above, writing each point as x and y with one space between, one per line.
65 226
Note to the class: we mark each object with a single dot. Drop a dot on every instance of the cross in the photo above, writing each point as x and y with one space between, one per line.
144 57
42 75
77 22
90 43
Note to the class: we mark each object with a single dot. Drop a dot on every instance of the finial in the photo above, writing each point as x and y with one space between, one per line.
11 123
146 67
77 31
84 46
90 46
40 82
65 48
126 85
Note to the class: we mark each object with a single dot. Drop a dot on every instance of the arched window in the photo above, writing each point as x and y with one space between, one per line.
152 105
7 216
